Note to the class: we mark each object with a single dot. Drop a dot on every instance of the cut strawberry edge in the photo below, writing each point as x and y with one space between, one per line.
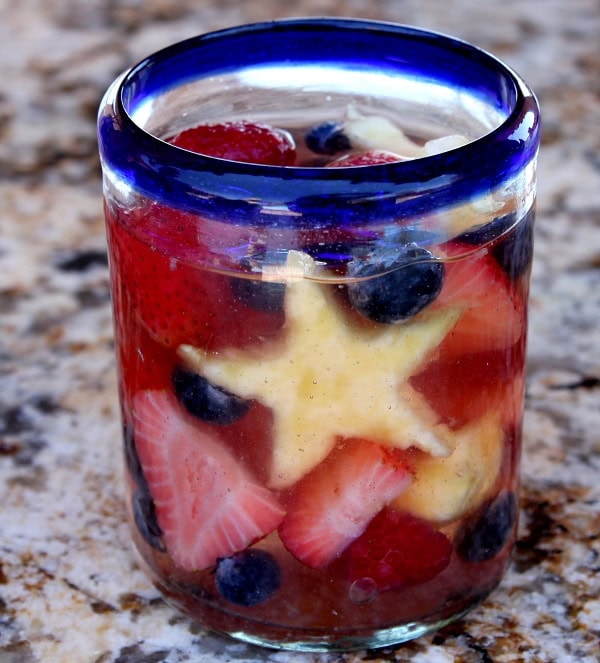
493 312
176 303
462 387
207 504
333 505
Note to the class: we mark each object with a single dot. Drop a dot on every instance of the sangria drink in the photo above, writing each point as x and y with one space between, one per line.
320 238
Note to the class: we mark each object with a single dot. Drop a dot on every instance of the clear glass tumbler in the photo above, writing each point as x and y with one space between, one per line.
320 238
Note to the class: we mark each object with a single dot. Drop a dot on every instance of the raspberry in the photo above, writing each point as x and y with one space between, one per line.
398 550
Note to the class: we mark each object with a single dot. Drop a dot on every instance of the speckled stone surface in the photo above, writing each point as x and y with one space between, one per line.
70 590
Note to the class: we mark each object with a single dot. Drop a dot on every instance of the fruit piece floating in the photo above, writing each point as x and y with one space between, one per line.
376 132
484 535
411 280
368 158
328 379
248 578
328 138
142 504
446 488
398 550
207 505
144 516
205 401
240 141
334 503
493 317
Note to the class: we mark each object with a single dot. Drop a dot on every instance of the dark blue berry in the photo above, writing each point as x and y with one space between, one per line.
260 295
207 401
144 516
488 232
142 504
132 461
513 250
486 534
410 279
328 138
248 578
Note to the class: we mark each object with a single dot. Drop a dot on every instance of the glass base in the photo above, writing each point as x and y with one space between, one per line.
296 640
387 637
284 637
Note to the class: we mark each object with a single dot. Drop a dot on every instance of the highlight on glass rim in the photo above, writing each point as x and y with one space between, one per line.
320 237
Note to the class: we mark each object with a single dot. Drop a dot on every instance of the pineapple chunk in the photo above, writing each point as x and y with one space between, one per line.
446 488
375 132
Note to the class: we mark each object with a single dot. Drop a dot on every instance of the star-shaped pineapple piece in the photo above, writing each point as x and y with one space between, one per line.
328 378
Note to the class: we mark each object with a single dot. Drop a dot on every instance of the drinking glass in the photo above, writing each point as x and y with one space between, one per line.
321 352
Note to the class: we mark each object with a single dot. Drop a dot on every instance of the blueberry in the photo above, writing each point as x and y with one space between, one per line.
132 461
260 295
207 401
328 138
514 250
142 504
249 577
410 280
488 232
144 516
485 535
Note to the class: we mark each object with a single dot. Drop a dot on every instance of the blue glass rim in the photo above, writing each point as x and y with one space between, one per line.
247 193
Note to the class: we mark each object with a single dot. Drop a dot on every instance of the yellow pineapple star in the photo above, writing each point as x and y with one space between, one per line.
328 378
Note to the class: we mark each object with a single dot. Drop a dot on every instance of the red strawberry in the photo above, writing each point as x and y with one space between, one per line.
472 369
143 363
398 550
493 312
240 141
207 505
369 158
462 388
179 303
333 504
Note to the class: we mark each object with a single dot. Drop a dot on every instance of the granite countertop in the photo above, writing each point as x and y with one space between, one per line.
69 587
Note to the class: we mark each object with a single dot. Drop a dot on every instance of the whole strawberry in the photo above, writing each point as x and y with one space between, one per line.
240 141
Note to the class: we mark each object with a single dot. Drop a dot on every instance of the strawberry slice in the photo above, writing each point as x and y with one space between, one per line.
463 388
493 315
240 141
472 369
398 550
333 504
207 505
179 303
368 158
